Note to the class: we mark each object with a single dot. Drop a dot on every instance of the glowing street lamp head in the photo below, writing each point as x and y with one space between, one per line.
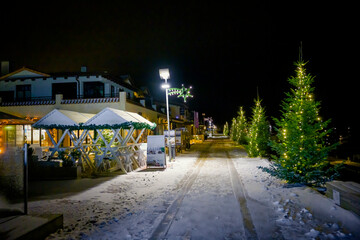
164 73
165 85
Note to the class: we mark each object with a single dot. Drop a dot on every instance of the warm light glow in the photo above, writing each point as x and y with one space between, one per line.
164 73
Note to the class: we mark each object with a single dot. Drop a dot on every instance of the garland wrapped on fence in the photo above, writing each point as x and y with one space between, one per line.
126 125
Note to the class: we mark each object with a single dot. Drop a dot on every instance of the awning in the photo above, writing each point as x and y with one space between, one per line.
8 119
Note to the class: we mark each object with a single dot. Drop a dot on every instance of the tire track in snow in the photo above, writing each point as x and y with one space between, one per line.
165 224
240 195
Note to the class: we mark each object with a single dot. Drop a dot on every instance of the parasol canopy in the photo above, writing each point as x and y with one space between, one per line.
63 119
110 118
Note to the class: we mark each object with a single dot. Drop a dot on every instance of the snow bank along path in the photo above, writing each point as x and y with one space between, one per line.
211 192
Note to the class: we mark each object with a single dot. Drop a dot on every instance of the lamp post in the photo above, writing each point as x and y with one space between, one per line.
165 74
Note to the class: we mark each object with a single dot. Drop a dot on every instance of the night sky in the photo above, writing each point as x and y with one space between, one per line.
225 51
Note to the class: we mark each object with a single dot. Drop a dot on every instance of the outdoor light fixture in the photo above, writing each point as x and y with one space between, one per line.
165 74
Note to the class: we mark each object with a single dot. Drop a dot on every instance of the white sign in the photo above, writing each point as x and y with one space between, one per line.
178 137
336 197
156 151
172 137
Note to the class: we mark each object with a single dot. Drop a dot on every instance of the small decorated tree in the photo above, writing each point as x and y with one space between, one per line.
233 130
238 129
301 150
242 127
259 132
226 129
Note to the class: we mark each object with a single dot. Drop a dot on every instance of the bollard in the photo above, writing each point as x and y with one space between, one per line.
25 179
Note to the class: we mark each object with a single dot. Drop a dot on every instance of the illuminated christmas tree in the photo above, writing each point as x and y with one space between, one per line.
238 130
241 127
259 133
301 151
226 129
233 130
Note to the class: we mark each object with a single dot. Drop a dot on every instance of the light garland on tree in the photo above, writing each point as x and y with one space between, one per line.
300 146
258 132
238 129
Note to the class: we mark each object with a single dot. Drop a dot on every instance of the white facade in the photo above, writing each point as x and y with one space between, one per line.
41 85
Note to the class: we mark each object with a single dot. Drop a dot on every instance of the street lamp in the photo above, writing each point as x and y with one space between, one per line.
165 74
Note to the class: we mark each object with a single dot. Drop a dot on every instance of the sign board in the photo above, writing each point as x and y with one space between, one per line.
172 137
336 197
172 133
196 119
178 139
156 156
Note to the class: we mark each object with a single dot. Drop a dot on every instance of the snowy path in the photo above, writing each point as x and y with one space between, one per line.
211 204
211 192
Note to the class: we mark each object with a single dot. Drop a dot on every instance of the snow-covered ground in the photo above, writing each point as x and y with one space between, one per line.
300 212
195 196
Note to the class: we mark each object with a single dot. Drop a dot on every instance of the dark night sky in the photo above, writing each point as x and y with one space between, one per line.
225 51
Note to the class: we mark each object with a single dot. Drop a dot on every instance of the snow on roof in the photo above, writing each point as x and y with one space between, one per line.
62 119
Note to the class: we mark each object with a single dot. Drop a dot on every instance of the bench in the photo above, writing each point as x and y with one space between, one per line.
345 194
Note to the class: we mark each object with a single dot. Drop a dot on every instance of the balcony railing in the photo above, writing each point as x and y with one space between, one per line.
91 100
29 101
112 95
50 100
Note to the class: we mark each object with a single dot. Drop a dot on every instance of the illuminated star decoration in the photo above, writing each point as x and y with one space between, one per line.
181 92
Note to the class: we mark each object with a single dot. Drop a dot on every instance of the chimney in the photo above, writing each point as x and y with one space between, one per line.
4 67
83 69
